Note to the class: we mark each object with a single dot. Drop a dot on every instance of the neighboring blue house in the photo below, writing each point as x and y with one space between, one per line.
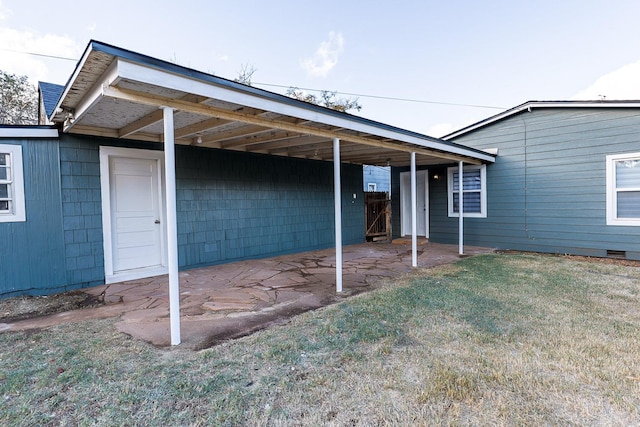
90 199
377 178
566 180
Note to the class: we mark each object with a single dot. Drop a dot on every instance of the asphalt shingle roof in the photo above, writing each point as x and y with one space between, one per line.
50 95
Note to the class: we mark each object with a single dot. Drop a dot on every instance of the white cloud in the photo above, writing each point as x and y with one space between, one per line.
623 83
92 27
4 12
15 58
325 57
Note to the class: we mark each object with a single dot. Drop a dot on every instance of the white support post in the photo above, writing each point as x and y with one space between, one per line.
172 225
338 212
414 213
460 208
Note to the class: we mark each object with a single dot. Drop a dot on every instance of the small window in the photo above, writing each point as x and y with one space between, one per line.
11 184
371 186
623 189
474 191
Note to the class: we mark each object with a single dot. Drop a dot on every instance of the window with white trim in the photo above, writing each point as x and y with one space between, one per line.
11 184
623 189
372 186
474 191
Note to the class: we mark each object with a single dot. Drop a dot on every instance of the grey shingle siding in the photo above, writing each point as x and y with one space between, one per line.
546 191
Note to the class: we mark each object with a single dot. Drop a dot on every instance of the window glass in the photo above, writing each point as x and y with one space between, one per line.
12 203
472 202
623 189
628 174
4 182
474 193
471 180
4 166
628 205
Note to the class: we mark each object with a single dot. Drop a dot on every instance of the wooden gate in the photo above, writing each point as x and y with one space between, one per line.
377 216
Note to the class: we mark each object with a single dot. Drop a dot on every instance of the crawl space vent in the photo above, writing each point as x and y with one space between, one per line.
616 254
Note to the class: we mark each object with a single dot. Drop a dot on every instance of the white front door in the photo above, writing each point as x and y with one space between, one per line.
134 227
422 198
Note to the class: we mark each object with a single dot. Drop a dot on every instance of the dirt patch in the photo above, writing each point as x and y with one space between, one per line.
243 326
27 307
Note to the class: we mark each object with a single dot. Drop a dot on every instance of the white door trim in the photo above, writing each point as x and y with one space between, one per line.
105 154
405 200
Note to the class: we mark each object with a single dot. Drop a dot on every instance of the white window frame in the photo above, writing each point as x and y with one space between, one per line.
483 191
612 190
372 186
16 184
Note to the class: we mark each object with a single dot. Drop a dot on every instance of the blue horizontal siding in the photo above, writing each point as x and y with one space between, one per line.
31 252
379 175
547 190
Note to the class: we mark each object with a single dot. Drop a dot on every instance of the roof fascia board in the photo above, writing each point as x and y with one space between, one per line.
72 78
109 77
154 76
28 132
530 105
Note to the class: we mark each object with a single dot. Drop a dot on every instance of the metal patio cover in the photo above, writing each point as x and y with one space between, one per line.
118 93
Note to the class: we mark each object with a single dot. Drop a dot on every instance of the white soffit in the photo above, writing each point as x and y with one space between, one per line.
158 79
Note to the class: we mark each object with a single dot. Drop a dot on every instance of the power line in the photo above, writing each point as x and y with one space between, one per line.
389 98
360 95
39 54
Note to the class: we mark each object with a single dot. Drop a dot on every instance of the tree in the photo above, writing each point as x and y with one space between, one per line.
18 100
327 99
245 74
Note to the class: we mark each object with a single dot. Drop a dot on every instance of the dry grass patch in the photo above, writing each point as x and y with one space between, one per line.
491 340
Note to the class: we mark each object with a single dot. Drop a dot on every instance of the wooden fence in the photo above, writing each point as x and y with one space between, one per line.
378 216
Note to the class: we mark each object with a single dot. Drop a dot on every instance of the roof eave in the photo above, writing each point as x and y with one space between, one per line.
530 105
277 102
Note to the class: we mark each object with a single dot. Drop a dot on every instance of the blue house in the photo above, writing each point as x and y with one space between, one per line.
566 180
143 167
377 178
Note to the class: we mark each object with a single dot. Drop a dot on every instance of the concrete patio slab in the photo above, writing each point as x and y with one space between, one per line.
231 300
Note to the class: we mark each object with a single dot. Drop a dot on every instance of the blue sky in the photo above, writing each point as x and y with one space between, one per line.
489 53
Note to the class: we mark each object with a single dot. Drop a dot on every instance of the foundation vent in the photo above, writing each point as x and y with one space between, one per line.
616 254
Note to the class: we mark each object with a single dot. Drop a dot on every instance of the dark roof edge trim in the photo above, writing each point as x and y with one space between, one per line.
530 105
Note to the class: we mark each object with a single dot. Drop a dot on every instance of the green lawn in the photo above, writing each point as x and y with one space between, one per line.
493 339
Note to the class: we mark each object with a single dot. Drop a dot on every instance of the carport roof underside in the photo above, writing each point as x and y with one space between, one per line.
119 93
